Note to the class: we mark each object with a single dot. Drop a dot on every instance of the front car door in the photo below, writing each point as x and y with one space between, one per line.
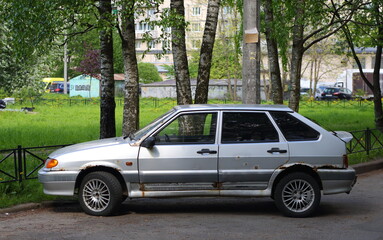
250 150
184 156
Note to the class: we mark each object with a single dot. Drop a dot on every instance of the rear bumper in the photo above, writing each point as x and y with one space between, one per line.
58 182
337 180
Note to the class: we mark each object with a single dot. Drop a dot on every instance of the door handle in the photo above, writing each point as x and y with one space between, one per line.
273 150
207 151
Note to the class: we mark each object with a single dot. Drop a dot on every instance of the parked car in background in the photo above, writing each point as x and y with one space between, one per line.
207 150
2 104
317 95
334 93
58 87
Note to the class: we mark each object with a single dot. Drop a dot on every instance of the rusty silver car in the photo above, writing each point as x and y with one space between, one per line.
207 150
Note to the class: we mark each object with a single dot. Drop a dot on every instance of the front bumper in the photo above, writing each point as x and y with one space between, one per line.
337 180
58 182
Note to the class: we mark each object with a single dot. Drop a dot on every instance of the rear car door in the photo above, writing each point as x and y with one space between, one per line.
251 149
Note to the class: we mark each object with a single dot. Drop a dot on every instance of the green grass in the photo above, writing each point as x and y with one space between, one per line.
56 123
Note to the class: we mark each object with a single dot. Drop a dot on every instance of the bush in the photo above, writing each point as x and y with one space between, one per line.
148 73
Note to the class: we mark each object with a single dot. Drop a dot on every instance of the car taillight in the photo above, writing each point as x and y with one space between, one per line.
345 161
336 93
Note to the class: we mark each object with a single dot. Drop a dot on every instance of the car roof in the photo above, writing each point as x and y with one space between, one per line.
253 107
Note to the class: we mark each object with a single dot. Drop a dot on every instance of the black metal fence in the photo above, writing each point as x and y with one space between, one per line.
365 141
155 102
19 164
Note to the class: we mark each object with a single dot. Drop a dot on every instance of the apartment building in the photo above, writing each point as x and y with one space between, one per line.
195 15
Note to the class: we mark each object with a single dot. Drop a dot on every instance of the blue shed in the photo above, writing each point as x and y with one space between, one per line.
85 86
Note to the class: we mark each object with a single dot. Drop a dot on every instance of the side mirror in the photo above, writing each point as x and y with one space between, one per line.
148 142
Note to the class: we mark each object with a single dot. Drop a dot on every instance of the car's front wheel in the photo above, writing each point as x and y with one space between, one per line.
297 195
100 194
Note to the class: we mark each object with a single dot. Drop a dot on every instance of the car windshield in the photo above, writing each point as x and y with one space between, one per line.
142 132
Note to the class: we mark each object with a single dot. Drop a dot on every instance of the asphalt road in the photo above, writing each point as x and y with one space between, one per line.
358 215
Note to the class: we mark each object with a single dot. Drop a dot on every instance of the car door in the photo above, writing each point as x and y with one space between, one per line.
184 156
250 150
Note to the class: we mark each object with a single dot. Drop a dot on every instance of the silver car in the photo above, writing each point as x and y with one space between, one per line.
207 150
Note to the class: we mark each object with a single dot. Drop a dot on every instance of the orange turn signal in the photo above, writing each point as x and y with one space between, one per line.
52 163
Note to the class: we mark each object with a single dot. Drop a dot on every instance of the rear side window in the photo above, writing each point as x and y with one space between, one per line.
245 127
293 129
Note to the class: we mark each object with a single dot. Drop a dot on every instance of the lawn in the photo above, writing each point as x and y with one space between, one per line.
58 122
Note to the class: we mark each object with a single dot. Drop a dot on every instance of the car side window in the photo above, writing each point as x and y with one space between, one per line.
199 128
246 127
293 129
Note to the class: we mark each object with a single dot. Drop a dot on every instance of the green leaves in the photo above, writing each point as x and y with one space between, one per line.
148 73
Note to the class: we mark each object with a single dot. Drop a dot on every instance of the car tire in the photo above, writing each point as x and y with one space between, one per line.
297 195
100 194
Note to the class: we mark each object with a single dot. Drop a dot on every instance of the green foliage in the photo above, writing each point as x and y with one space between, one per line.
148 73
30 93
193 64
225 64
3 93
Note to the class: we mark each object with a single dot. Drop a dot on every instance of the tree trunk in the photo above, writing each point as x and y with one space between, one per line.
181 69
272 51
108 105
130 122
251 69
376 78
296 57
202 90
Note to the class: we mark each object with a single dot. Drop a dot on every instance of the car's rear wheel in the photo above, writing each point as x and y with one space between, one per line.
100 194
297 195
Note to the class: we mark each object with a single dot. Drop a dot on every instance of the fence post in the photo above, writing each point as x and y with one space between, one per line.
368 140
20 163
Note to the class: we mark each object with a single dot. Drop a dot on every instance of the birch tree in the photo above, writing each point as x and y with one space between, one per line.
206 54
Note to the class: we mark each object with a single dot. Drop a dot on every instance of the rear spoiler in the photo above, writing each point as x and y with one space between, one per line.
343 135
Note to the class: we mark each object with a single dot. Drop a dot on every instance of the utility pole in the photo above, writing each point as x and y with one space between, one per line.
65 67
251 69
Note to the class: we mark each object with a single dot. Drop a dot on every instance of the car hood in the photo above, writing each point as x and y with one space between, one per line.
89 145
343 135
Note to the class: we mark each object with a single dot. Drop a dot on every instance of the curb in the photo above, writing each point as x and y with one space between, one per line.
26 207
360 168
368 166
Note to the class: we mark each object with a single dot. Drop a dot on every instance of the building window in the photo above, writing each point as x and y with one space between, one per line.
196 27
138 44
196 11
151 44
166 44
150 12
143 27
